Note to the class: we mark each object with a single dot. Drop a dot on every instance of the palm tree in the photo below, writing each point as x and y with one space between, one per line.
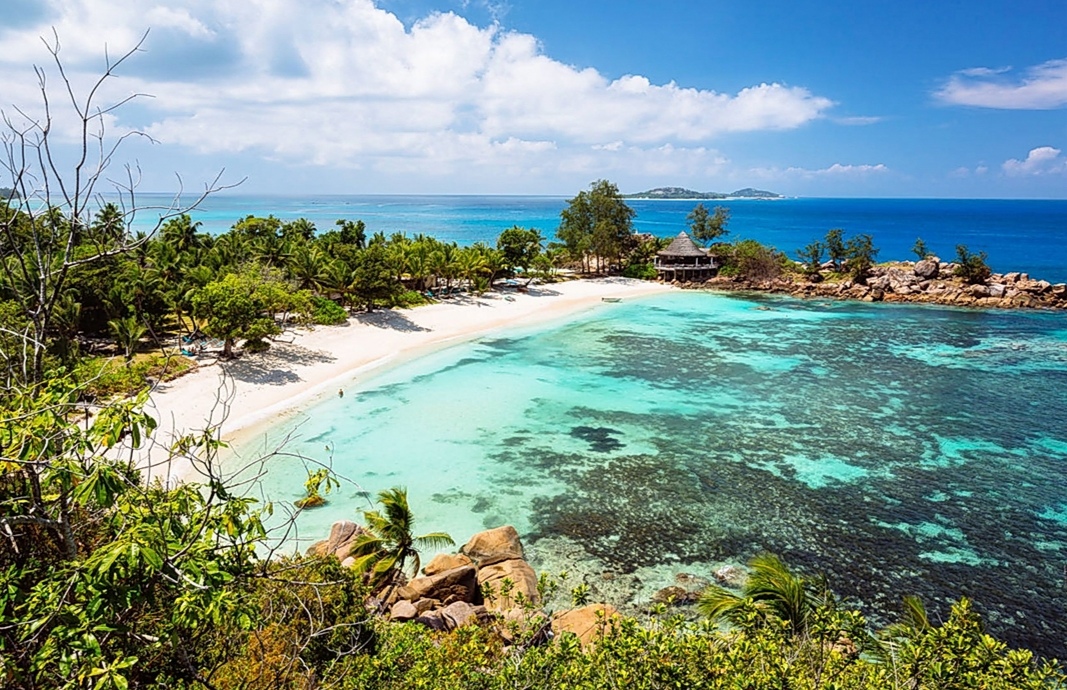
307 265
388 544
772 588
128 332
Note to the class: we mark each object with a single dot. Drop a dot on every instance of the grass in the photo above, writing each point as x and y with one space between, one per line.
108 377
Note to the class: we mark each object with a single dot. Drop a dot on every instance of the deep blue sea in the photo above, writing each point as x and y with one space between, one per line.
1022 235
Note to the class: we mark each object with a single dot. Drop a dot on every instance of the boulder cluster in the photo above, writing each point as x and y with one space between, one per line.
928 281
487 583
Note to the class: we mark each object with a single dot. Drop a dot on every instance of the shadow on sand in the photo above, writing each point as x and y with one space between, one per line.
274 367
391 319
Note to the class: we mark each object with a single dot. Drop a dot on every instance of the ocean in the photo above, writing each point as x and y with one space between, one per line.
1017 235
899 449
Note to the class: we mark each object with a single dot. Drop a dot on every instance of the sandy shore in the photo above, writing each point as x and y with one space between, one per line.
243 396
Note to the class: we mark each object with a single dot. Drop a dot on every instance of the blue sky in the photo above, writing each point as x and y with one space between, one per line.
871 98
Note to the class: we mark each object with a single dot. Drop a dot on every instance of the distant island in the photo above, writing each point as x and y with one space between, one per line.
683 193
8 193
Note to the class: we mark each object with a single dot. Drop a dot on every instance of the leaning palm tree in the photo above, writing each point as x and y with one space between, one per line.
387 545
772 588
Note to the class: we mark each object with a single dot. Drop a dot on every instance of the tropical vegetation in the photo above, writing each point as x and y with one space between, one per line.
111 576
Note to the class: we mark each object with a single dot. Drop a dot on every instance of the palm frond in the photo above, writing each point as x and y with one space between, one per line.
716 602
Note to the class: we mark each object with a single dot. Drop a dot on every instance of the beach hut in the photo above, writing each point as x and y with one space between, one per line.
683 260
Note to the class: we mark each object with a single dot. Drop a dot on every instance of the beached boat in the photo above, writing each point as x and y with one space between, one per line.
611 299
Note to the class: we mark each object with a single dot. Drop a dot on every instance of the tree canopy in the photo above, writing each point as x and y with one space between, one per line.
597 225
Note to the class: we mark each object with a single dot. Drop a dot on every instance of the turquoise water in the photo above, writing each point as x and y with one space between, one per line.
897 449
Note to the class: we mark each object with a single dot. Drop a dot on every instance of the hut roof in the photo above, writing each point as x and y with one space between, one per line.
682 245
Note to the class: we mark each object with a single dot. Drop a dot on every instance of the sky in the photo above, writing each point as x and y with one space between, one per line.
839 98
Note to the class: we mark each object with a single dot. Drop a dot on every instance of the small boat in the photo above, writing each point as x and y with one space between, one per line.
611 299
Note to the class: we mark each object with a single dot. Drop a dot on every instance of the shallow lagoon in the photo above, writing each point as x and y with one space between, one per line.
898 449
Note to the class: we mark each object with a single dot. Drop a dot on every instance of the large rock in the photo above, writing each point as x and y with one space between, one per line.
523 581
458 584
494 546
675 595
445 561
461 613
927 269
403 611
453 616
340 543
731 576
588 623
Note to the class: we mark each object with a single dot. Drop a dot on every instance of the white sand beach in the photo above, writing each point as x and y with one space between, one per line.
244 395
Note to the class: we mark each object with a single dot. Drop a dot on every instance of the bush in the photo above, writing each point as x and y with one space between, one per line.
256 345
752 261
640 271
409 298
106 377
971 267
326 312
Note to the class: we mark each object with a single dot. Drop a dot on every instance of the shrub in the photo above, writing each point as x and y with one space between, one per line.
640 271
256 345
106 377
971 267
409 298
753 261
326 312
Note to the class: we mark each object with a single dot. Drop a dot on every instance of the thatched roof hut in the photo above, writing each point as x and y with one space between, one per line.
682 246
684 260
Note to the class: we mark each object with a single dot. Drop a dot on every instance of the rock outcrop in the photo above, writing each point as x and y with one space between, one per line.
445 561
449 593
340 543
493 546
929 281
588 623
520 578
458 584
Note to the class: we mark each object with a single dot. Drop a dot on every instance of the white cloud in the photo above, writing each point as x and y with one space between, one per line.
1042 87
349 85
838 170
1043 160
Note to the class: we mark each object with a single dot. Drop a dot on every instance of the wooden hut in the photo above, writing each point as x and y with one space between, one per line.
684 261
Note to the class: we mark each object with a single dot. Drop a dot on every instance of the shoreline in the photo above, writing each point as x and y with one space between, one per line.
241 397
906 282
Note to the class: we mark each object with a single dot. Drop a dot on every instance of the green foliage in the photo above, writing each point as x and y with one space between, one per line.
238 306
388 543
373 279
705 227
752 261
320 481
854 255
519 248
812 257
102 378
599 224
835 246
326 312
128 333
920 249
972 268
107 581
859 257
640 271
